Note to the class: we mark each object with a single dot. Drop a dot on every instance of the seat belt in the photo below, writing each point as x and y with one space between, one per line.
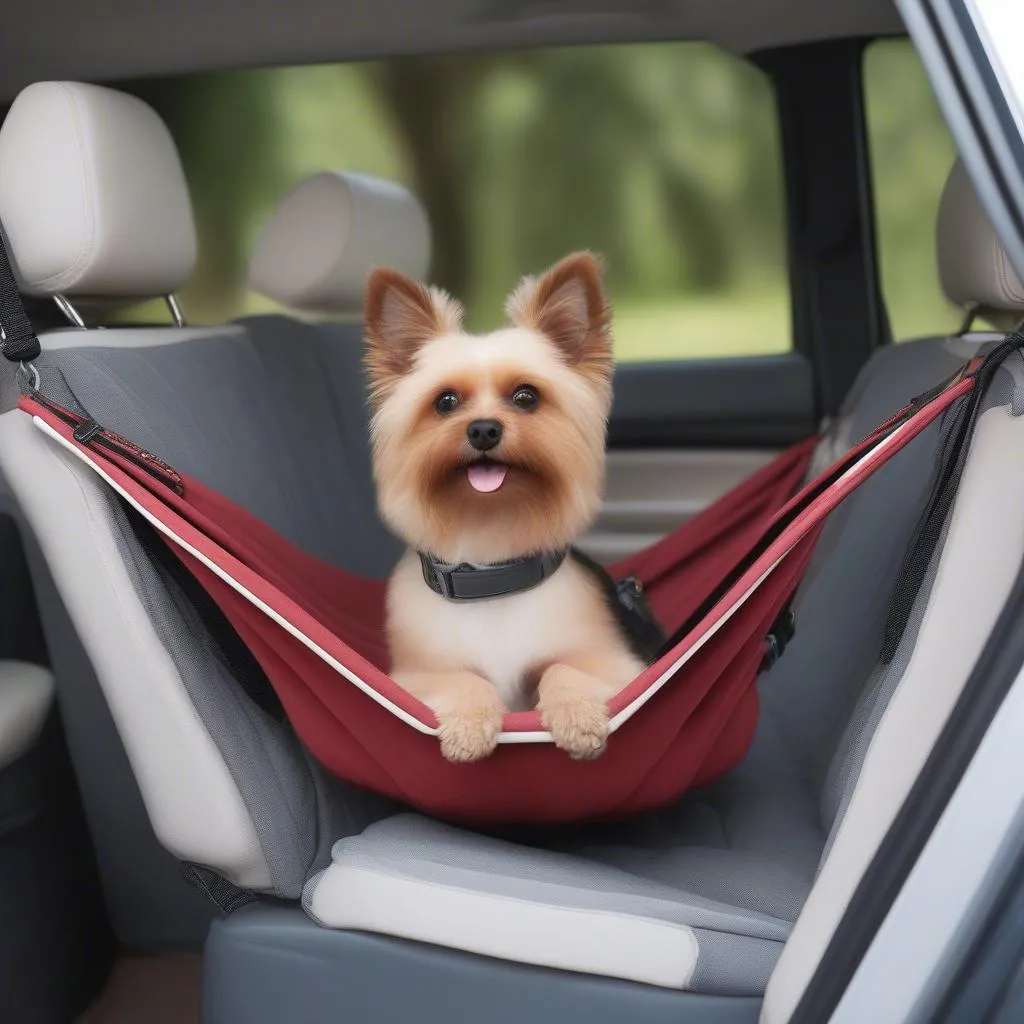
18 341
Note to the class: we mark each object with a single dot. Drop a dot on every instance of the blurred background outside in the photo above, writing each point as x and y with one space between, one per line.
664 157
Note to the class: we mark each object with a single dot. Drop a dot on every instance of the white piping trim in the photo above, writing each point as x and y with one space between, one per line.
641 699
235 585
616 720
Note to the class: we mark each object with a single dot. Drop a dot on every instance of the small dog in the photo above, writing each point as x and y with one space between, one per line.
489 455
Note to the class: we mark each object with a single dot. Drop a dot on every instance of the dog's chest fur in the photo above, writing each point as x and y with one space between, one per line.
507 640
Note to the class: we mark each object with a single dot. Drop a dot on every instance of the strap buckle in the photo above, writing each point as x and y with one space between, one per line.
27 369
87 431
443 579
775 643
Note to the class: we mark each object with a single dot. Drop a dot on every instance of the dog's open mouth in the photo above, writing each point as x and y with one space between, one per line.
486 476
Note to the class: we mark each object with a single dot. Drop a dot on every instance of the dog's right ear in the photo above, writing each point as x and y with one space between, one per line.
400 316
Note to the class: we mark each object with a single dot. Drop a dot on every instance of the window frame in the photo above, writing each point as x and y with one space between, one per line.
837 315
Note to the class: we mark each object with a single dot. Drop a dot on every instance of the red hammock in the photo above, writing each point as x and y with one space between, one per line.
317 632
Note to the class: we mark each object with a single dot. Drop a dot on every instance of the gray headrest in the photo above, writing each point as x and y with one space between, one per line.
92 195
316 249
973 267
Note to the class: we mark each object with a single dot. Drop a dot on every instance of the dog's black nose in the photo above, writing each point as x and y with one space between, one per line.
484 434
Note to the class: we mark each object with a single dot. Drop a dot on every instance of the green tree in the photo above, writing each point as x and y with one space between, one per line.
228 130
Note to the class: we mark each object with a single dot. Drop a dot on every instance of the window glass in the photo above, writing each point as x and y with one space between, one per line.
911 153
662 157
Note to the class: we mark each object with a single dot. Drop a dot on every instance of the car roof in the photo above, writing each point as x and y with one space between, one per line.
122 39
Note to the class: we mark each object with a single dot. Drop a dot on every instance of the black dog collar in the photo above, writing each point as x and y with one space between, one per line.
466 582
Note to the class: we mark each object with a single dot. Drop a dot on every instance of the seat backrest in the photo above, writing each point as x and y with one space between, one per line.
904 705
176 762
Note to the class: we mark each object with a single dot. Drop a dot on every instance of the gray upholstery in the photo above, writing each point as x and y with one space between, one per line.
291 425
852 749
271 413
285 439
267 965
841 605
738 908
147 902
735 860
273 416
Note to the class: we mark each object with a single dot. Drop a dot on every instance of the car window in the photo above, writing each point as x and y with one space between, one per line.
663 157
911 152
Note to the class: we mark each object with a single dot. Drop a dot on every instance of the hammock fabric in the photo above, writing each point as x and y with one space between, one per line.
722 579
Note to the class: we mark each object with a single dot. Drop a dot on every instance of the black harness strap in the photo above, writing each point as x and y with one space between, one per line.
626 601
18 341
955 446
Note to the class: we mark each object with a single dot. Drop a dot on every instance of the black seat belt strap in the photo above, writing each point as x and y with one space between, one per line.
18 341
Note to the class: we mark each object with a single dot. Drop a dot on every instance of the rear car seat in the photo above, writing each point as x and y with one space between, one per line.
733 864
227 403
706 891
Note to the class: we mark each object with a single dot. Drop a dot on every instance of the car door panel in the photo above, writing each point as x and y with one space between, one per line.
683 433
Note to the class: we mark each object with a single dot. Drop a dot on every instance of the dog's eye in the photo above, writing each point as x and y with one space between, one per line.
525 398
446 402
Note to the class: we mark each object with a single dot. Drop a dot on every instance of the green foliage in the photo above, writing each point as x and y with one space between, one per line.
911 154
664 157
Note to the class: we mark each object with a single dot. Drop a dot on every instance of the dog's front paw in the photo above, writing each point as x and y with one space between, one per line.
469 733
579 727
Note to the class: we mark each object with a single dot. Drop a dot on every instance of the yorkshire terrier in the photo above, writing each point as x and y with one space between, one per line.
489 460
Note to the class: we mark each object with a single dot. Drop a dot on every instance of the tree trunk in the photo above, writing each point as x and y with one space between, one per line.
430 101
227 133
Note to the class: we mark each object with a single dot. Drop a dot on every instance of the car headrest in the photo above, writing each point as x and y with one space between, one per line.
93 198
973 267
316 249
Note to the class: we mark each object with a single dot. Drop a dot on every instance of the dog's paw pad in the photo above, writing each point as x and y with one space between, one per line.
469 734
579 727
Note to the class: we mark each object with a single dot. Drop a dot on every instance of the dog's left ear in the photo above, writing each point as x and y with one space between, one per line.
567 304
401 315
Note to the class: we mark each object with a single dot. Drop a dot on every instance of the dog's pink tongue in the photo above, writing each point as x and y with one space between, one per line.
486 477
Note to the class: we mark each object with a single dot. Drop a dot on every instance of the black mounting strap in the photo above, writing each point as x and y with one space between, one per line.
18 341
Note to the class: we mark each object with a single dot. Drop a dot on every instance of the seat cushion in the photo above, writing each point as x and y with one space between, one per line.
700 896
633 914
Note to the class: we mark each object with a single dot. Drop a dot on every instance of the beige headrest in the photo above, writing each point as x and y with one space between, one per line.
92 195
316 249
973 267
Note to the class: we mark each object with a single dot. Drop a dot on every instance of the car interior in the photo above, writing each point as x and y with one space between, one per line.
169 851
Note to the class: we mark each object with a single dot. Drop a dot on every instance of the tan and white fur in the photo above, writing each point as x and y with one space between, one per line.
545 380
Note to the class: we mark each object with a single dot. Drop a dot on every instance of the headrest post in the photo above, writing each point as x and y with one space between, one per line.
74 317
970 313
172 304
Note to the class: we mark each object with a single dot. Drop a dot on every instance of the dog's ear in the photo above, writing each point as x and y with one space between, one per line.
400 315
567 304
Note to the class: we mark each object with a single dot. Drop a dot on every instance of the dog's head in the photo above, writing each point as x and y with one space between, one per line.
490 447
